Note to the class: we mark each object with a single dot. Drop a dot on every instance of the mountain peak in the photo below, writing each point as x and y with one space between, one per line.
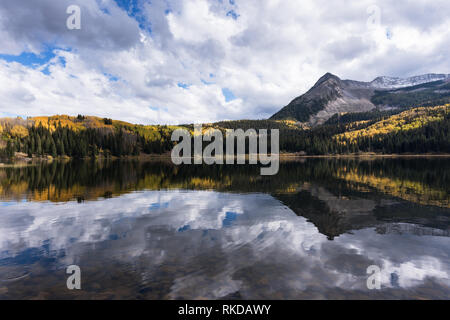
327 76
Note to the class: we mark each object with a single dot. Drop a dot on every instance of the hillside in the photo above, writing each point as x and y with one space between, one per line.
81 136
418 130
406 121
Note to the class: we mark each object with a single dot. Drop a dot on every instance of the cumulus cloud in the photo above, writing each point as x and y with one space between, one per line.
35 23
167 61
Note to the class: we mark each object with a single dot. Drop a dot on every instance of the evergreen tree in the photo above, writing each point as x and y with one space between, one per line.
9 150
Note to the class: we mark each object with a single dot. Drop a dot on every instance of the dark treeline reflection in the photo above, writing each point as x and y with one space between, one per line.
337 195
422 180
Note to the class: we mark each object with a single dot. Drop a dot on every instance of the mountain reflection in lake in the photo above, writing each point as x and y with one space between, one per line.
150 230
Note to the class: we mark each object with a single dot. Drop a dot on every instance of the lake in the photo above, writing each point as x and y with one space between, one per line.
152 230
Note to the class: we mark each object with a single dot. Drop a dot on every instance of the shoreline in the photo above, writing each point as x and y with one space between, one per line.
24 162
368 155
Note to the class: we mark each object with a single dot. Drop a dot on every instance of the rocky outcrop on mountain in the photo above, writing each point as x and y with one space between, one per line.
328 96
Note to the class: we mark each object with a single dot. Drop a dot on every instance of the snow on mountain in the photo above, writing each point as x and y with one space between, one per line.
395 82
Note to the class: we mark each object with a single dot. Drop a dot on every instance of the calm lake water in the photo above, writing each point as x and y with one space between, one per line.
151 230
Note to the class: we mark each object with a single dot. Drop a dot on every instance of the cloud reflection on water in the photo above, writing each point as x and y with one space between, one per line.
206 244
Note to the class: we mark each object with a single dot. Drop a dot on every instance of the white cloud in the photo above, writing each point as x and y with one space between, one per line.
273 52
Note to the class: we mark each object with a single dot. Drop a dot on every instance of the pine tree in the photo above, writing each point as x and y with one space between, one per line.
38 145
9 150
53 149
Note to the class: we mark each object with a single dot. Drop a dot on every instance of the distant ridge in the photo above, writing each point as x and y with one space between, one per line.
395 82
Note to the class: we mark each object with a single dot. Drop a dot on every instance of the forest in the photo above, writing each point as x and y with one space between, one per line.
55 138
418 130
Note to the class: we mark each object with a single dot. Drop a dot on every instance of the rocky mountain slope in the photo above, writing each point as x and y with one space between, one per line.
331 95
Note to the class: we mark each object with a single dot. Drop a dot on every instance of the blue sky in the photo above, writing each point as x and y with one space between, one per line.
30 59
133 9
228 94
205 60
40 61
